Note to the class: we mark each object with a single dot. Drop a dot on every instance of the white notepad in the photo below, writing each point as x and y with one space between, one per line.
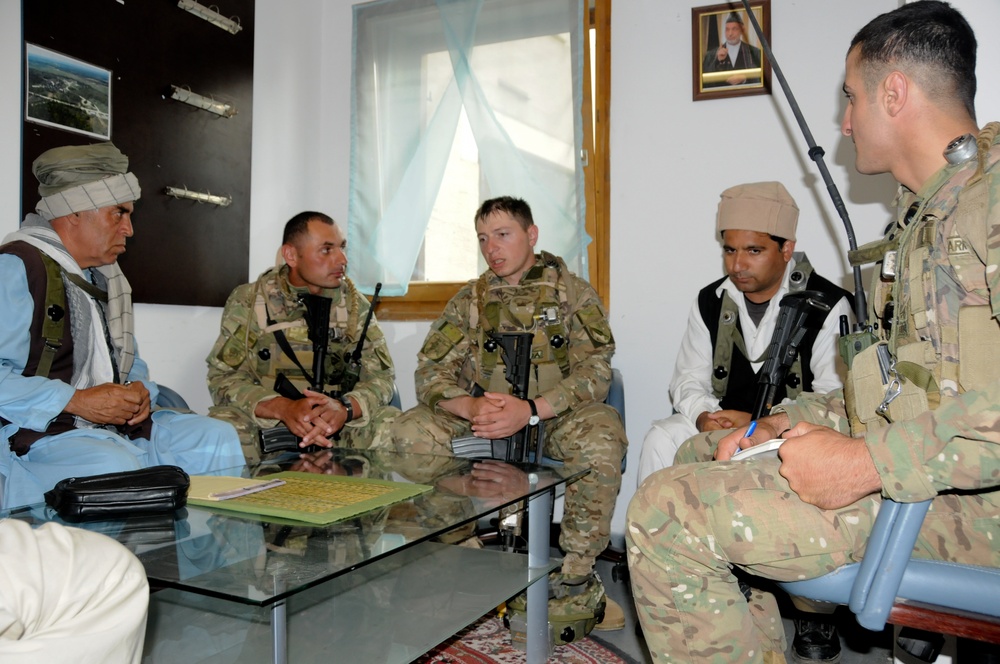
764 450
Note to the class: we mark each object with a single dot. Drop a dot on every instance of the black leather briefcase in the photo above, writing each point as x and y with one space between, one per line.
117 495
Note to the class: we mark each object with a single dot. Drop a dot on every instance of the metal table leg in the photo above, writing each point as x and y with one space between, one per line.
279 626
539 514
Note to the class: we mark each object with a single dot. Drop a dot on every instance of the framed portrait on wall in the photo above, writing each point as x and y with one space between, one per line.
67 93
727 57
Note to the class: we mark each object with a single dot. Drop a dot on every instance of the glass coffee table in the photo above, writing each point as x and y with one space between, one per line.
386 585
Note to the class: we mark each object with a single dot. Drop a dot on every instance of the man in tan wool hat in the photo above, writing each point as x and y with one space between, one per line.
732 320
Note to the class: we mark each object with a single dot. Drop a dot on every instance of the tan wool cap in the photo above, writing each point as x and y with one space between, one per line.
765 207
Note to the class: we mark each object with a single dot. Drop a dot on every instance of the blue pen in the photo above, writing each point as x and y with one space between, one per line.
750 430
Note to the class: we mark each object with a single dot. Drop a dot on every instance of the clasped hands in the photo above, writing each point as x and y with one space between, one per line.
313 418
823 467
495 414
111 403
493 480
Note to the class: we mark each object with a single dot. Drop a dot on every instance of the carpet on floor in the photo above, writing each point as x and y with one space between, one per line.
488 642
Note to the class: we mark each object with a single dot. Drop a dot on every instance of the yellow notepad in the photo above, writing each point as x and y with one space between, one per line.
318 499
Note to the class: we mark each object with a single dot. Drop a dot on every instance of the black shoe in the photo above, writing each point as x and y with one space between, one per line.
815 642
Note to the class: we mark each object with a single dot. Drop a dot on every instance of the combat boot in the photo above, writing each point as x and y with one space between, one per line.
614 616
815 642
576 604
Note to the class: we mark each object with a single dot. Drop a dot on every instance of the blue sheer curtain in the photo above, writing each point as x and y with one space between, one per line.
403 123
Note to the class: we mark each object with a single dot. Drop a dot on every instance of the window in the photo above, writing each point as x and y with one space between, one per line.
462 101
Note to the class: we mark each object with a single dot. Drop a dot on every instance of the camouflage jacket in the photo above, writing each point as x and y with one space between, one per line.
957 444
246 358
452 357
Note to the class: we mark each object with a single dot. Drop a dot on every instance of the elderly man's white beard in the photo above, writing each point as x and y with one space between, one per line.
734 42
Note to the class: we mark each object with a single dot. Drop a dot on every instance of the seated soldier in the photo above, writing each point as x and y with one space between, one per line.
265 336
265 339
571 375
732 321
910 83
75 397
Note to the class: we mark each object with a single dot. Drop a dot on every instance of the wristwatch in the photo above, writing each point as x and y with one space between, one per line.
348 406
534 419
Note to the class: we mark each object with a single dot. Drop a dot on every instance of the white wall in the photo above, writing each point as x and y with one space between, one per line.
671 158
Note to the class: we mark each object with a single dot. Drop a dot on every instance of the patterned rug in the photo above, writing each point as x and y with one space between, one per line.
488 642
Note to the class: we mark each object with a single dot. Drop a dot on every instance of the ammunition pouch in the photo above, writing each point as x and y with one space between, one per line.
868 385
575 608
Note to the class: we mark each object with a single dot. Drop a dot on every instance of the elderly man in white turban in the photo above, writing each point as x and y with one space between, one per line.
75 397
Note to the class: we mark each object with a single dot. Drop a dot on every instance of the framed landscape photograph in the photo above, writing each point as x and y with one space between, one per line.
67 93
727 58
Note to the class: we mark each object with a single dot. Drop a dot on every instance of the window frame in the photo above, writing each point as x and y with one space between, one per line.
426 300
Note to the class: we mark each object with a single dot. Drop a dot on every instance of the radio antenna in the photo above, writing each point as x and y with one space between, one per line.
816 154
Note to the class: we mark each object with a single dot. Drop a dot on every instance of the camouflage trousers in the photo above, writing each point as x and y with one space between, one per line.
700 447
689 525
374 433
589 438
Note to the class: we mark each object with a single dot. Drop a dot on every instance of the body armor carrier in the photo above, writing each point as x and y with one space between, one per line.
922 352
734 382
538 304
280 315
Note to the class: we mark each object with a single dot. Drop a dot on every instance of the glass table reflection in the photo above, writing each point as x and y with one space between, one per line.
386 585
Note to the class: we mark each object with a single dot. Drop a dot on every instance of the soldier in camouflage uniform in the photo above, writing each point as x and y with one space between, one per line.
264 320
571 362
910 83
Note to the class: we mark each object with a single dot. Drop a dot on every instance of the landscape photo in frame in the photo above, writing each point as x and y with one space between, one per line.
67 93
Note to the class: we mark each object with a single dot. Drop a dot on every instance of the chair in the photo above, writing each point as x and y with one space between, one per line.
889 586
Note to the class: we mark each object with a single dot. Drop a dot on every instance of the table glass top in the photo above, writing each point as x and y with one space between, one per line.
260 560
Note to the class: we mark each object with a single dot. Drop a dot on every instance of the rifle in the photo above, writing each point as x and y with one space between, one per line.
516 350
793 314
352 373
317 317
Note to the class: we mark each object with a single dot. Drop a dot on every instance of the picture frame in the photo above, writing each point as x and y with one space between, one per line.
66 93
741 69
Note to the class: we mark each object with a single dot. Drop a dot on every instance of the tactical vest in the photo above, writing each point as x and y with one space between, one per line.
51 351
934 248
734 382
539 304
279 314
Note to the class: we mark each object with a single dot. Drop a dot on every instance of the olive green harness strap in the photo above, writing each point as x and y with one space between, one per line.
728 337
54 319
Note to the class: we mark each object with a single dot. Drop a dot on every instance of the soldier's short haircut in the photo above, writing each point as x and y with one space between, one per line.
515 207
299 225
931 40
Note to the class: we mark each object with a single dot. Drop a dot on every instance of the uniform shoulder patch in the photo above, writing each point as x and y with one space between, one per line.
596 325
441 340
233 351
